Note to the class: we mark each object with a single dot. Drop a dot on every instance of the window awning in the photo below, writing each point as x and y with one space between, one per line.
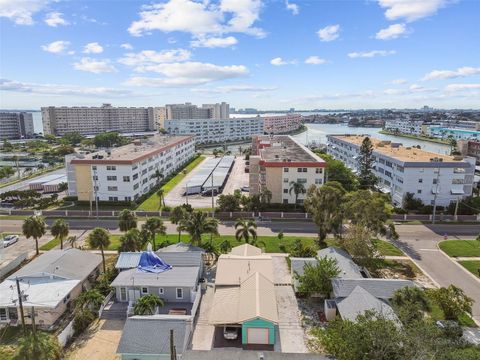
457 191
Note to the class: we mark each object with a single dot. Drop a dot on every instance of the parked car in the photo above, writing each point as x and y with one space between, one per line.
209 192
9 240
246 188
230 332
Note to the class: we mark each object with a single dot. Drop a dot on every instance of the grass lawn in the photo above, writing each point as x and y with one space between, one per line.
51 244
471 265
461 247
437 314
153 202
272 244
384 248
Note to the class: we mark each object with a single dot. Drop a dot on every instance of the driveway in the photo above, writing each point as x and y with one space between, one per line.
420 243
203 333
100 342
238 178
291 336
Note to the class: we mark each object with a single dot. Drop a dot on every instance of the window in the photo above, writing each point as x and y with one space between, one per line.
179 293
286 169
94 167
302 170
95 177
457 181
111 167
285 201
285 180
420 181
301 181
113 198
135 186
434 181
128 198
160 291
3 314
135 176
126 179
285 191
419 191
144 290
113 188
318 181
111 178
318 171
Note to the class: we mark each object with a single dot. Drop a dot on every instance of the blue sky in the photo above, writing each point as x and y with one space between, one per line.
250 53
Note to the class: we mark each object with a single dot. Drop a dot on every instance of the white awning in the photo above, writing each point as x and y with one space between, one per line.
457 191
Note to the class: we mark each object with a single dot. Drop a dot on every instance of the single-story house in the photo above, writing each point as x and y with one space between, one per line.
148 337
380 288
49 283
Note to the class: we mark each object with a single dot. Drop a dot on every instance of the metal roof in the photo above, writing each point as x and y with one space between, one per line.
130 260
180 247
359 301
380 288
178 276
246 250
69 263
150 335
233 269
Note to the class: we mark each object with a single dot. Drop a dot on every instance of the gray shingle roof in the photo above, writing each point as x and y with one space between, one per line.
180 247
380 288
151 335
177 276
129 260
359 301
348 268
297 264
69 263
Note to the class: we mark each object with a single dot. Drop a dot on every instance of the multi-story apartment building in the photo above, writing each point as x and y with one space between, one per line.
94 120
457 134
469 148
127 172
189 111
277 161
16 125
400 170
282 124
414 127
216 130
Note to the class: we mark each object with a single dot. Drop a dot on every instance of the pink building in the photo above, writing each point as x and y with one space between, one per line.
282 124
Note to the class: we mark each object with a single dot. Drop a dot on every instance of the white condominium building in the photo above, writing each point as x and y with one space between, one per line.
16 125
282 124
127 172
189 111
216 130
94 120
414 127
403 170
277 161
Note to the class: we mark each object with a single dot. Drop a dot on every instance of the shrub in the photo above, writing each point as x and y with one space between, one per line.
83 318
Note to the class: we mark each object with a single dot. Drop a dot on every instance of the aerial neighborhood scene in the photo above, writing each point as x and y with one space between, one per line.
239 180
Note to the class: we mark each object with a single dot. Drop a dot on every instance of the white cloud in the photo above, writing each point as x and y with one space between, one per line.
415 88
235 88
55 18
329 33
151 57
188 73
315 60
278 61
371 54
451 74
21 11
126 46
399 81
58 89
292 7
395 91
56 47
199 18
411 10
461 87
93 48
213 42
94 66
392 32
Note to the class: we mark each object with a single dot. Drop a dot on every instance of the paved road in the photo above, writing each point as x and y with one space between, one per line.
420 243
23 184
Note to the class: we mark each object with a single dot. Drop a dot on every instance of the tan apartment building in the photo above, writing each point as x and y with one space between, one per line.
282 124
277 161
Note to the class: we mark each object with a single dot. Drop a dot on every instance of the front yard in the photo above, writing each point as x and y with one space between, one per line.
461 248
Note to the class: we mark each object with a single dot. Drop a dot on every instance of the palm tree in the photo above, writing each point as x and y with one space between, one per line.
131 241
39 346
91 299
147 304
34 226
197 224
266 196
152 227
178 214
161 198
297 188
60 230
127 220
225 246
99 239
72 240
246 229
158 175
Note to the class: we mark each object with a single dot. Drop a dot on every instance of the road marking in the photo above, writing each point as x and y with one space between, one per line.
428 249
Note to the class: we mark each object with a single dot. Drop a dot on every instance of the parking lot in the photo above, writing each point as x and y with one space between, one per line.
237 179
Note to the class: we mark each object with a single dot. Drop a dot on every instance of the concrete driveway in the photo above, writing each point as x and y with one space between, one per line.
203 333
100 342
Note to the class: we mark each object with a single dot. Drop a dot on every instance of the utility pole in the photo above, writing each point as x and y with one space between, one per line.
213 202
20 303
173 356
95 188
34 330
456 208
436 193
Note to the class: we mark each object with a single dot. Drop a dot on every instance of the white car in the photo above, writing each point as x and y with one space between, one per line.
9 240
230 332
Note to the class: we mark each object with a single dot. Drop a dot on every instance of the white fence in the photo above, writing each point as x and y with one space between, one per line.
105 302
65 334
4 270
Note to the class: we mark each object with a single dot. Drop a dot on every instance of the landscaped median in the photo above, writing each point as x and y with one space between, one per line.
153 202
461 249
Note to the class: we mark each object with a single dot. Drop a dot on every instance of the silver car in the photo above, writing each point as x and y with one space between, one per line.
9 240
